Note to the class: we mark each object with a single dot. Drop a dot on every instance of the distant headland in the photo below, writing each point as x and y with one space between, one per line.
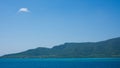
104 49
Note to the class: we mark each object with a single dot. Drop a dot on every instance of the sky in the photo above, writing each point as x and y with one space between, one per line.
46 23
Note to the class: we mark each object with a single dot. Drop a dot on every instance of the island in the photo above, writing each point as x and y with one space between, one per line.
103 49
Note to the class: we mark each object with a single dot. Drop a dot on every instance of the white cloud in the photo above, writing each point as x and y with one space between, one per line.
23 10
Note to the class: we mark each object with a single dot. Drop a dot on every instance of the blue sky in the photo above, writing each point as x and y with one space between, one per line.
45 23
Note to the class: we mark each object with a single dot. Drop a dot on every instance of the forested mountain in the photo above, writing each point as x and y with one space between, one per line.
103 49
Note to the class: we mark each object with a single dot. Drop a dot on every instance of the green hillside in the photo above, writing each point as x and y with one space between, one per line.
103 49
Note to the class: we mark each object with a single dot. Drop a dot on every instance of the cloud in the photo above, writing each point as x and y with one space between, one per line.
23 10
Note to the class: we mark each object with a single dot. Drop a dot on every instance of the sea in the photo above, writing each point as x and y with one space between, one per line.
61 63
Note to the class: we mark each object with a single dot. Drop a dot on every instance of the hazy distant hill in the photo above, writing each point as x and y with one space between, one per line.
109 48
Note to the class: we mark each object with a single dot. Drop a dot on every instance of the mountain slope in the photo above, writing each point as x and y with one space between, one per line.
109 48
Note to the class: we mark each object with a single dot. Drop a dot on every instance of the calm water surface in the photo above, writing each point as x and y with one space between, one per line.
61 63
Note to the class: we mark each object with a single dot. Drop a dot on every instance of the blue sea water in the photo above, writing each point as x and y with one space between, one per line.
61 63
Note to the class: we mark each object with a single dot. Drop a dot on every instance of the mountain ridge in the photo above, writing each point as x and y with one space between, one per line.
104 49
